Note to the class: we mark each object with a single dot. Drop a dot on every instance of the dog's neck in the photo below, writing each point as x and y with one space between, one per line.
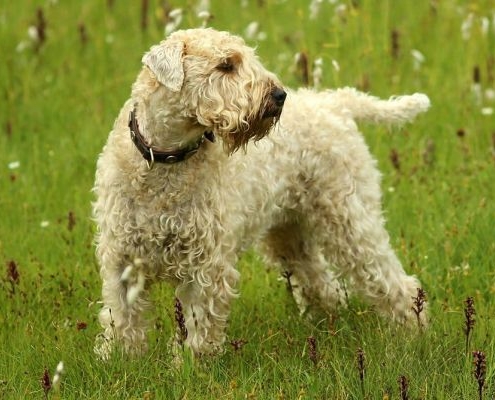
161 131
165 128
153 154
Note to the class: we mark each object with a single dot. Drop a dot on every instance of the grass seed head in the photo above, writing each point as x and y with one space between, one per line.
46 383
395 43
40 28
58 374
479 361
429 152
181 322
469 320
8 128
360 360
394 158
238 344
144 14
83 33
418 304
476 74
71 221
81 325
287 275
312 350
469 313
12 272
302 67
403 387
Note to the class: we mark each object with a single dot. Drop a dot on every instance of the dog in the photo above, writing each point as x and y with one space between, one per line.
211 156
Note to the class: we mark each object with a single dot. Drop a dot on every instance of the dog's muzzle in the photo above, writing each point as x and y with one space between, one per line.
275 103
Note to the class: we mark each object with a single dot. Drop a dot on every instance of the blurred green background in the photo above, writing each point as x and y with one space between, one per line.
66 68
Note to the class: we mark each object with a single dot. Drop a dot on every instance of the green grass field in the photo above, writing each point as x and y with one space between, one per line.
66 68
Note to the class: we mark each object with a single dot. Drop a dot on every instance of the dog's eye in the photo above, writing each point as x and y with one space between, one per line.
226 66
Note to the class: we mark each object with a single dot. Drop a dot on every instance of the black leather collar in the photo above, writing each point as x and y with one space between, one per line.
152 155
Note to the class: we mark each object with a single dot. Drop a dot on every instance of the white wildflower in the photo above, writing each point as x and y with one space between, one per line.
341 10
204 16
126 274
23 45
261 36
335 65
169 28
418 59
391 189
134 290
477 92
14 164
175 14
487 111
466 26
134 279
251 30
485 25
33 36
60 367
203 5
58 373
283 58
463 268
490 94
317 72
175 19
45 224
314 8
33 33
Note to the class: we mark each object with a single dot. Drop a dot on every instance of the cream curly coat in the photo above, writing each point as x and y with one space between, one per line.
309 192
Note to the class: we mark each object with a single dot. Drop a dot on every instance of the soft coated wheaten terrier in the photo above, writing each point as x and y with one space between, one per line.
175 200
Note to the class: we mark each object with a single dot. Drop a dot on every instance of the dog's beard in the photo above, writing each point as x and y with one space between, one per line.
256 130
253 128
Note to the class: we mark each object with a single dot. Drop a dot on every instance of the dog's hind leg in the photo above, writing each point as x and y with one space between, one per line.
308 275
355 241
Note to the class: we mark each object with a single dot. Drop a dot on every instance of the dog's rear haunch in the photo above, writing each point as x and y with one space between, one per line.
218 157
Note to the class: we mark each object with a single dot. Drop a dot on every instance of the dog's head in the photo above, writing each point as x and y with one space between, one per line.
219 83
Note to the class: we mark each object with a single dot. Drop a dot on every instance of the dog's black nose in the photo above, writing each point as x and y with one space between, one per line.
279 96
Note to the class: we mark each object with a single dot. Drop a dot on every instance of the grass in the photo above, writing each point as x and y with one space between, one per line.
59 99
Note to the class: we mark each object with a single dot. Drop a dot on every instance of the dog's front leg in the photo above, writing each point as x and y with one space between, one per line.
124 303
205 302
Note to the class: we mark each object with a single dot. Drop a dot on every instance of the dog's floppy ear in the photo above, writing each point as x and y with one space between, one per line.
165 60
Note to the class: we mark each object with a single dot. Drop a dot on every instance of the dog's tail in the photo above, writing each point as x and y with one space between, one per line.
396 110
